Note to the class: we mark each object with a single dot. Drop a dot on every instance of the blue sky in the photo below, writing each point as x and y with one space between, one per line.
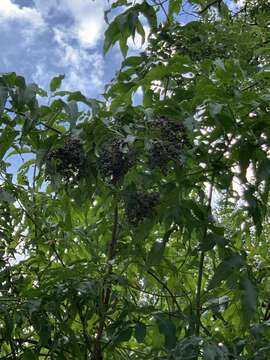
42 38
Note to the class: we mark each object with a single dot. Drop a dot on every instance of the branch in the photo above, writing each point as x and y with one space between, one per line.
250 86
86 337
152 294
27 117
107 288
200 274
50 128
160 3
214 2
166 288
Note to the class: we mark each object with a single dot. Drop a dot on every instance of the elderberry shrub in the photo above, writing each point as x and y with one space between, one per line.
115 159
168 145
140 205
67 161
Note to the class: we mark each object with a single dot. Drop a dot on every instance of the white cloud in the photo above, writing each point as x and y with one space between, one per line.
45 7
84 69
89 21
87 16
40 75
12 12
54 37
241 2
23 22
236 5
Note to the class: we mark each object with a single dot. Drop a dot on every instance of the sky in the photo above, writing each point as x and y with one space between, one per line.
43 38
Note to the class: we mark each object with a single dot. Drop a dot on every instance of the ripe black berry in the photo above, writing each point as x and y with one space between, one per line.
115 159
140 205
67 161
167 146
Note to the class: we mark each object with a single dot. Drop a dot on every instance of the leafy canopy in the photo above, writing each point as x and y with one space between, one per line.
140 230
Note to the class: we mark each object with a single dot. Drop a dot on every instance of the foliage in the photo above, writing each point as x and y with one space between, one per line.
141 230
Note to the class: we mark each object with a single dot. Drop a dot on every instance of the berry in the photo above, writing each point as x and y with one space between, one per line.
140 205
159 157
168 145
115 159
67 161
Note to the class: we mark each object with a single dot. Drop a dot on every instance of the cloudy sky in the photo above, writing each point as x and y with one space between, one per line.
42 38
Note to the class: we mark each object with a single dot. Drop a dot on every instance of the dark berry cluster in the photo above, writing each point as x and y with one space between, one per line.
168 144
140 205
67 161
115 159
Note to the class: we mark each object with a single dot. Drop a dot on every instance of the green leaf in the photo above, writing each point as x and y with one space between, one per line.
141 32
174 7
255 209
168 329
56 82
125 25
119 3
20 82
132 20
188 348
156 253
214 352
28 125
211 240
132 61
140 332
149 12
225 269
7 137
6 196
123 46
3 97
29 355
124 335
248 298
111 36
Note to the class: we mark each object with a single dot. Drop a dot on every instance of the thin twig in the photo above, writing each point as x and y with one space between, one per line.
166 288
250 86
209 5
27 117
160 3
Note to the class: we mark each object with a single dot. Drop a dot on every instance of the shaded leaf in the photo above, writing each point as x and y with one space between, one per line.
7 137
168 329
225 269
56 82
156 254
248 298
140 332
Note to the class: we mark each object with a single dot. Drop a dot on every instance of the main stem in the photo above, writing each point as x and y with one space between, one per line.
107 288
201 265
